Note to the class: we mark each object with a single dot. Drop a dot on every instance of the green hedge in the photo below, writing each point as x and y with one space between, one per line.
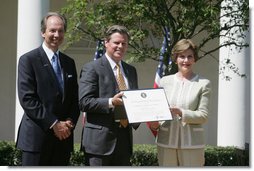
143 155
9 155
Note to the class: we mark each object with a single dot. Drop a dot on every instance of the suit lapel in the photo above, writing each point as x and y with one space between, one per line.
63 68
127 74
106 65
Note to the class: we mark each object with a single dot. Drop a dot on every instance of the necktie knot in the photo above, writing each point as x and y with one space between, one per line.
117 65
55 57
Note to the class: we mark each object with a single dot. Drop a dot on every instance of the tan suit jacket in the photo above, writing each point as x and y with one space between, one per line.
192 96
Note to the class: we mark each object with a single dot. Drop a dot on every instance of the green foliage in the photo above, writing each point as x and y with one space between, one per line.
7 152
78 9
146 19
225 156
9 155
143 155
77 157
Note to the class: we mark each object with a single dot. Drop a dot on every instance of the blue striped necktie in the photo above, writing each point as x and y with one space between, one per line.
57 70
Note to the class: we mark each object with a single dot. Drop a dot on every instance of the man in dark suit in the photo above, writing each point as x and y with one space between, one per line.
50 105
107 141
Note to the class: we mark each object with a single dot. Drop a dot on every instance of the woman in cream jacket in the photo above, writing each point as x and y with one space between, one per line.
180 141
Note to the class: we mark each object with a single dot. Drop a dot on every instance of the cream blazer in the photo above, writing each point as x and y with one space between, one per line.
192 96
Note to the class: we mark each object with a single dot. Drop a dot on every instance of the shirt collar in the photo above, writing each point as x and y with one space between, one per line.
48 51
112 62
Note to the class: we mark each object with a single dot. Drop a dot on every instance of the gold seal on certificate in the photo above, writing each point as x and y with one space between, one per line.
145 105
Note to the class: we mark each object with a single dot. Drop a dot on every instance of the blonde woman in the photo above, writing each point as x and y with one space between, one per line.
180 141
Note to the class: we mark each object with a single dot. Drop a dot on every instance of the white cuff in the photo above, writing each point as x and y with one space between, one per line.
110 104
53 124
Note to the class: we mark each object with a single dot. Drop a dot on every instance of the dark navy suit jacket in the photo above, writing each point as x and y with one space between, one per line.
41 98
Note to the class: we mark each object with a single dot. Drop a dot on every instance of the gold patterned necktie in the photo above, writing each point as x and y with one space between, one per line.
120 78
121 86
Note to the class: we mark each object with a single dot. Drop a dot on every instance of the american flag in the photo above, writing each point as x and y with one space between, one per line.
100 50
161 67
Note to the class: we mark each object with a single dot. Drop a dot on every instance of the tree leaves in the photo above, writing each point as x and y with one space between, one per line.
194 19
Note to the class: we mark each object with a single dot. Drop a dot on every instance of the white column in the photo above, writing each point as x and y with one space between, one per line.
234 98
30 13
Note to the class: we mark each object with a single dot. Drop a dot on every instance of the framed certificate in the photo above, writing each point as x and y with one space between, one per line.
146 105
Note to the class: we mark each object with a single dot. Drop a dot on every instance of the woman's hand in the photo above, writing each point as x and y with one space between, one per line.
176 112
154 125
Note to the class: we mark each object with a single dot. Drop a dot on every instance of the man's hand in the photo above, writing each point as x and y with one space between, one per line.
117 99
70 124
62 129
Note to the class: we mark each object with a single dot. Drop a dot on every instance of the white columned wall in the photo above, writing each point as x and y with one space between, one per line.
234 97
30 13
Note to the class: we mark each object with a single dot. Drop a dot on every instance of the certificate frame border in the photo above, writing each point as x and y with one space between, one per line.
145 90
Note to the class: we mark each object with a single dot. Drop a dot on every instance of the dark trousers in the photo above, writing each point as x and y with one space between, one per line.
35 159
120 156
53 153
